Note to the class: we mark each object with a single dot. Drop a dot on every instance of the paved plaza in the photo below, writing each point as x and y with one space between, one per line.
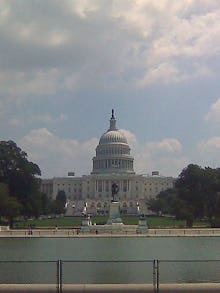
194 232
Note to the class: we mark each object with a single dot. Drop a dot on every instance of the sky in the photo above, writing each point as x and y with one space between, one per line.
64 65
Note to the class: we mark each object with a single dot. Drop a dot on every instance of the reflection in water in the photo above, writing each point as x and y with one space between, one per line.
109 249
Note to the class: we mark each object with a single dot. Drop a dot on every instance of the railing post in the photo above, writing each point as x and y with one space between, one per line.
59 276
156 276
58 281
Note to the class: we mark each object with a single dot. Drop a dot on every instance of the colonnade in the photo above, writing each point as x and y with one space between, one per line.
105 185
113 163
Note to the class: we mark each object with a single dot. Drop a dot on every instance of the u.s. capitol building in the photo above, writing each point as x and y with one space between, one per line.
113 163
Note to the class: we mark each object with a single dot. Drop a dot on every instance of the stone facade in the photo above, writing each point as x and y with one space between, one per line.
113 163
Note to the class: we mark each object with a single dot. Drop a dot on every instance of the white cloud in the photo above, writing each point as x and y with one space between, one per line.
95 43
83 8
95 50
56 156
214 112
208 152
169 145
184 33
23 84
146 162
131 138
164 73
18 121
48 118
210 145
167 73
165 156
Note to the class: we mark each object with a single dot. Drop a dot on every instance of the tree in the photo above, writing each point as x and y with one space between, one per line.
164 202
200 188
191 188
196 195
20 175
60 202
61 196
46 204
9 206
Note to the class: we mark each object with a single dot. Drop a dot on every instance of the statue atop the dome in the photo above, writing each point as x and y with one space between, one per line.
112 122
113 117
115 190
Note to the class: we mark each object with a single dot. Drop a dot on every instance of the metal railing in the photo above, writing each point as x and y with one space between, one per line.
153 272
103 231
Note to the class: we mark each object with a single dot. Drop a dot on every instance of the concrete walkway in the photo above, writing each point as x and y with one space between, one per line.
109 288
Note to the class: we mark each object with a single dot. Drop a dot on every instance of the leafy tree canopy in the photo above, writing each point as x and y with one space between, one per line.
9 206
196 195
20 177
60 203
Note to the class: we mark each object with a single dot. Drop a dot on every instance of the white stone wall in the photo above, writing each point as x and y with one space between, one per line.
97 189
71 185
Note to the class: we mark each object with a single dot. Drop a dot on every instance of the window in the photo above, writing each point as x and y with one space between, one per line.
99 205
99 186
106 185
124 185
124 205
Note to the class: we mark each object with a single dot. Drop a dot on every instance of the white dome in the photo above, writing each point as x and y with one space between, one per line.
113 152
113 136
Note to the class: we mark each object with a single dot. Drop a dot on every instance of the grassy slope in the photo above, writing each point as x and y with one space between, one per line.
129 220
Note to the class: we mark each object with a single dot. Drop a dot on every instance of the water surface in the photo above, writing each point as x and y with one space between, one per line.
109 249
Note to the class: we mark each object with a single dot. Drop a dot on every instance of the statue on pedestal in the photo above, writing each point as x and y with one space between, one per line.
114 211
115 190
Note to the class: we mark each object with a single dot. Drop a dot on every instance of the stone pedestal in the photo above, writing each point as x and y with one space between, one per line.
86 224
142 225
114 214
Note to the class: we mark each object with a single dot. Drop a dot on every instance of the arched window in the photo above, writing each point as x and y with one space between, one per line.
92 205
124 205
99 205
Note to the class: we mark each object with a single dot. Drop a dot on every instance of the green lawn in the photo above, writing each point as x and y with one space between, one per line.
128 220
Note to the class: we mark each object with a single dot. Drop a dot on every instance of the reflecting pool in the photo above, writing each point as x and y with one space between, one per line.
104 260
